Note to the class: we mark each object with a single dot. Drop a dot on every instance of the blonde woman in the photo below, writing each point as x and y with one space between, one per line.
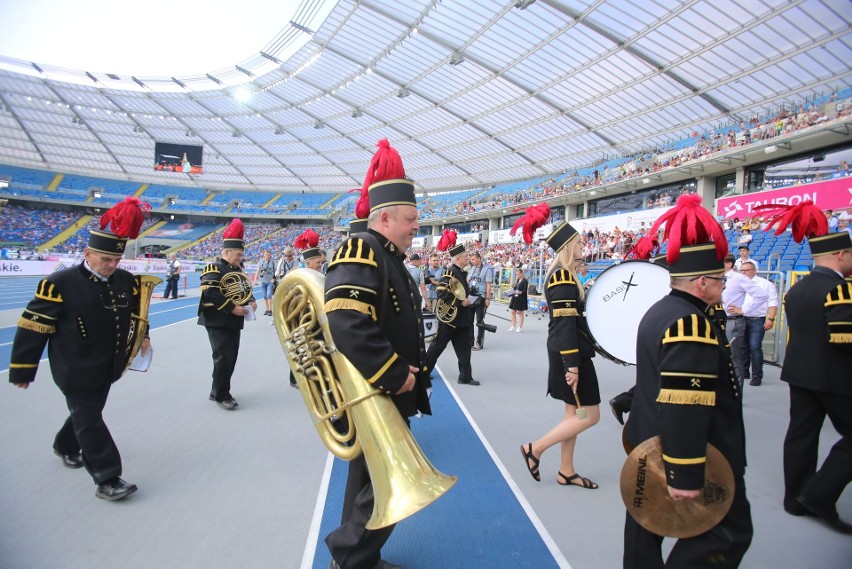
572 373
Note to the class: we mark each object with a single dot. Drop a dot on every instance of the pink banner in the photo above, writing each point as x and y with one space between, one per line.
830 194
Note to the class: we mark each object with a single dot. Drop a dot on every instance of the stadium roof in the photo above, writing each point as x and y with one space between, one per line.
471 92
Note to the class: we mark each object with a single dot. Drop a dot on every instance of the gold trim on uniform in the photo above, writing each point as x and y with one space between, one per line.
23 366
566 352
383 369
840 295
560 312
211 268
27 324
46 290
839 331
672 460
354 250
687 397
350 304
691 328
559 277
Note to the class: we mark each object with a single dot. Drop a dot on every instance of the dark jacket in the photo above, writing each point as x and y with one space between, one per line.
377 325
686 390
214 308
85 323
567 330
464 314
819 347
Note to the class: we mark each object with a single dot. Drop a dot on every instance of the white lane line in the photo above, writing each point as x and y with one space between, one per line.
316 520
536 522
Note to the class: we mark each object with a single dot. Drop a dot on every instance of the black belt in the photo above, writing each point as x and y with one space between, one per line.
733 317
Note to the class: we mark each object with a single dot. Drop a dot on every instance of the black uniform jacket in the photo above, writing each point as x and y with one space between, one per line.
381 339
567 331
819 346
214 308
85 323
464 314
686 390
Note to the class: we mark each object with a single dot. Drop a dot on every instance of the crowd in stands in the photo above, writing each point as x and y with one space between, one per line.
30 227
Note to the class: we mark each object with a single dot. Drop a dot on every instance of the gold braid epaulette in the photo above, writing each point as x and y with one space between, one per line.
560 277
691 328
355 250
46 290
840 331
211 268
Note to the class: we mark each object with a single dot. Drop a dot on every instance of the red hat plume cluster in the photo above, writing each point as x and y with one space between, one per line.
385 165
447 240
234 231
687 223
806 219
307 240
535 217
126 218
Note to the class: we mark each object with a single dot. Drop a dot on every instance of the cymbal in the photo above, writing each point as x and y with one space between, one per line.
645 493
628 448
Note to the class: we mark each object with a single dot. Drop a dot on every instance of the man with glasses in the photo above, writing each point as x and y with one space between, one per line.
758 316
84 315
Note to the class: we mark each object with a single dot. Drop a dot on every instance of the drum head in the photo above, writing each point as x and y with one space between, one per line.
430 326
618 300
645 493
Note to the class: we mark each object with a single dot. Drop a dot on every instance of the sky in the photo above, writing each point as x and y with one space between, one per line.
154 38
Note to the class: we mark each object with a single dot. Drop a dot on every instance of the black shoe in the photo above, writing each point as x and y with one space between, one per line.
296 385
228 404
212 397
620 404
797 509
828 515
70 460
471 382
115 489
476 347
754 382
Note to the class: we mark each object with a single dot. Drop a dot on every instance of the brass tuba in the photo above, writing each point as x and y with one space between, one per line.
446 311
340 401
139 322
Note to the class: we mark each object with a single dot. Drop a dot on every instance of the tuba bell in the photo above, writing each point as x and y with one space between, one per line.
341 403
139 322
445 311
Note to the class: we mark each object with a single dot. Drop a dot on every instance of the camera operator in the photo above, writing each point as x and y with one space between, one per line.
480 279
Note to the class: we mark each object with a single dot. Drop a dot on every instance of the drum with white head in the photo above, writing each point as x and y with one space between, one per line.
430 326
616 303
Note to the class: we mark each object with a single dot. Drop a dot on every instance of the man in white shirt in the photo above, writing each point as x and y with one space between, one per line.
733 298
759 316
744 256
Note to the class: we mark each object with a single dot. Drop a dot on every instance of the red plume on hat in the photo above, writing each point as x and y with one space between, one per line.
535 217
362 206
644 248
126 218
687 223
807 220
307 240
447 240
385 165
234 231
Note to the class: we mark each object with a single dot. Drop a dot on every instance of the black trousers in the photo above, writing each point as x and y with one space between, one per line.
460 338
822 487
172 286
352 545
723 546
85 430
479 311
226 346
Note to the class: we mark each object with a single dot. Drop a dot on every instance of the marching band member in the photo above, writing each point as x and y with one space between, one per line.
572 377
687 392
222 311
84 316
374 317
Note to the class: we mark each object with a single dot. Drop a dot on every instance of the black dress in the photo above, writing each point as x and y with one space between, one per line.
519 302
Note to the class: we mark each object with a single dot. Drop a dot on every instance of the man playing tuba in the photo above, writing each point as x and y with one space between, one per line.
91 318
374 316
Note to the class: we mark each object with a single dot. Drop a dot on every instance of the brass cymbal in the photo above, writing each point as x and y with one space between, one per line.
628 448
645 493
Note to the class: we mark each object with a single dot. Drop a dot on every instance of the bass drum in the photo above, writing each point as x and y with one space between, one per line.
430 326
616 303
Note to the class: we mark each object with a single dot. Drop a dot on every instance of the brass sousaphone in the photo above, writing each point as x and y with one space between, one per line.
645 493
341 402
139 322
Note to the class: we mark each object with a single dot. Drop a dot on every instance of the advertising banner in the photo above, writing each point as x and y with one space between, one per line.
828 194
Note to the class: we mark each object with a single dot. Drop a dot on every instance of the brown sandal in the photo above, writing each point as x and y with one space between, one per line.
569 481
529 456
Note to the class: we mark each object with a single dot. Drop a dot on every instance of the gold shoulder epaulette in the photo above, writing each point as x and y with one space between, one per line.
46 290
840 295
211 268
354 250
559 277
840 330
691 328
